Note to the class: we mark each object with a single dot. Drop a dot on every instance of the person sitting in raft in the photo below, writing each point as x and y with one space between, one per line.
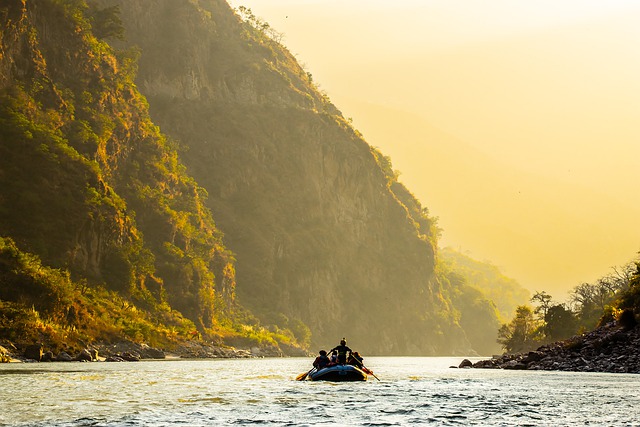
355 359
333 360
342 350
321 361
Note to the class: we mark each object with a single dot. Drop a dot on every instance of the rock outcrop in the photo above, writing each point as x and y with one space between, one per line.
609 348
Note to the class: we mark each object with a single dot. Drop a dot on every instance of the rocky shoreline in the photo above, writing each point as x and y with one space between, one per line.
610 348
126 351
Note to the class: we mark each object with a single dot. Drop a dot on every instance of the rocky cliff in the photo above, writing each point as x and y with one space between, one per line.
323 232
107 219
90 186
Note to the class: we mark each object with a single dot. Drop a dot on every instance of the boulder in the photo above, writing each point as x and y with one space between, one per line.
48 357
114 359
466 363
533 356
486 364
129 356
147 352
84 356
34 352
64 357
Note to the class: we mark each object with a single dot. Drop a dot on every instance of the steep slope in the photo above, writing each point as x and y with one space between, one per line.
90 185
323 232
506 293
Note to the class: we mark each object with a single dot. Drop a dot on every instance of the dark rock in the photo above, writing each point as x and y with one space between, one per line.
129 356
84 356
114 359
64 357
48 357
466 363
147 352
34 352
514 365
533 356
609 348
139 351
486 364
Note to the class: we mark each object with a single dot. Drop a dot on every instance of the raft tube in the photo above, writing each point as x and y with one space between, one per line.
338 373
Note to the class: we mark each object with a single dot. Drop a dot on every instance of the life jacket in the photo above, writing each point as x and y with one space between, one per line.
321 362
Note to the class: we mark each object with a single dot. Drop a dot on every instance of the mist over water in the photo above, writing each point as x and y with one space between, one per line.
412 391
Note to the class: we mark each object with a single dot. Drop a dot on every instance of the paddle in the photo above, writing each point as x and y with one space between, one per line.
368 371
302 377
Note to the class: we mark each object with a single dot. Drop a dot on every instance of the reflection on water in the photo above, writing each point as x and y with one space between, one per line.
413 391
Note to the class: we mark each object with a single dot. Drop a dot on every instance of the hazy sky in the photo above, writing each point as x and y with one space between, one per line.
516 122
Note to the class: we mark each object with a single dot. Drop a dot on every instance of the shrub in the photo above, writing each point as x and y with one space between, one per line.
627 319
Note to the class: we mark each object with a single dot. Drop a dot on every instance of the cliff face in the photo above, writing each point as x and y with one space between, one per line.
88 183
323 232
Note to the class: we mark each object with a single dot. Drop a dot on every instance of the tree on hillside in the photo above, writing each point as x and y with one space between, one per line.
559 323
630 299
522 333
544 301
556 320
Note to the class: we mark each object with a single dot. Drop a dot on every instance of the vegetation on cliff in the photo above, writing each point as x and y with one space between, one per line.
93 189
42 304
506 293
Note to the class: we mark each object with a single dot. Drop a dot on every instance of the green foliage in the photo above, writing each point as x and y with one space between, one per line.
590 300
80 159
477 316
630 298
504 292
593 304
38 303
521 333
259 24
106 23
559 323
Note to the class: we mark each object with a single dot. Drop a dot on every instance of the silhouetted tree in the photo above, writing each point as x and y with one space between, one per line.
560 323
521 334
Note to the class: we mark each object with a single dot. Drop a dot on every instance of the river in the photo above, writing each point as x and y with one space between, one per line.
411 391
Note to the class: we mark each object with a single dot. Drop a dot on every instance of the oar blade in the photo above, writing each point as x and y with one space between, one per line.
303 377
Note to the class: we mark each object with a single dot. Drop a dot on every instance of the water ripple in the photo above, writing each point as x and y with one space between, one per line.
414 391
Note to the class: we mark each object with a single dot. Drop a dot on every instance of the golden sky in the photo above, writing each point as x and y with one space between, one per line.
516 122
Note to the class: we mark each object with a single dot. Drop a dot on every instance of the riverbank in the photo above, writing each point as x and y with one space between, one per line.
610 348
127 351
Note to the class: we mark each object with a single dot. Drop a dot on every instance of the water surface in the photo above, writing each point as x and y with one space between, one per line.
412 391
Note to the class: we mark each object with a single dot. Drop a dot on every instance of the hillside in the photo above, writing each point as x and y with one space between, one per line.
127 127
322 231
506 293
93 190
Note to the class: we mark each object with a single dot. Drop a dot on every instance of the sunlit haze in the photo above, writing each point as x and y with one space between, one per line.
515 122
